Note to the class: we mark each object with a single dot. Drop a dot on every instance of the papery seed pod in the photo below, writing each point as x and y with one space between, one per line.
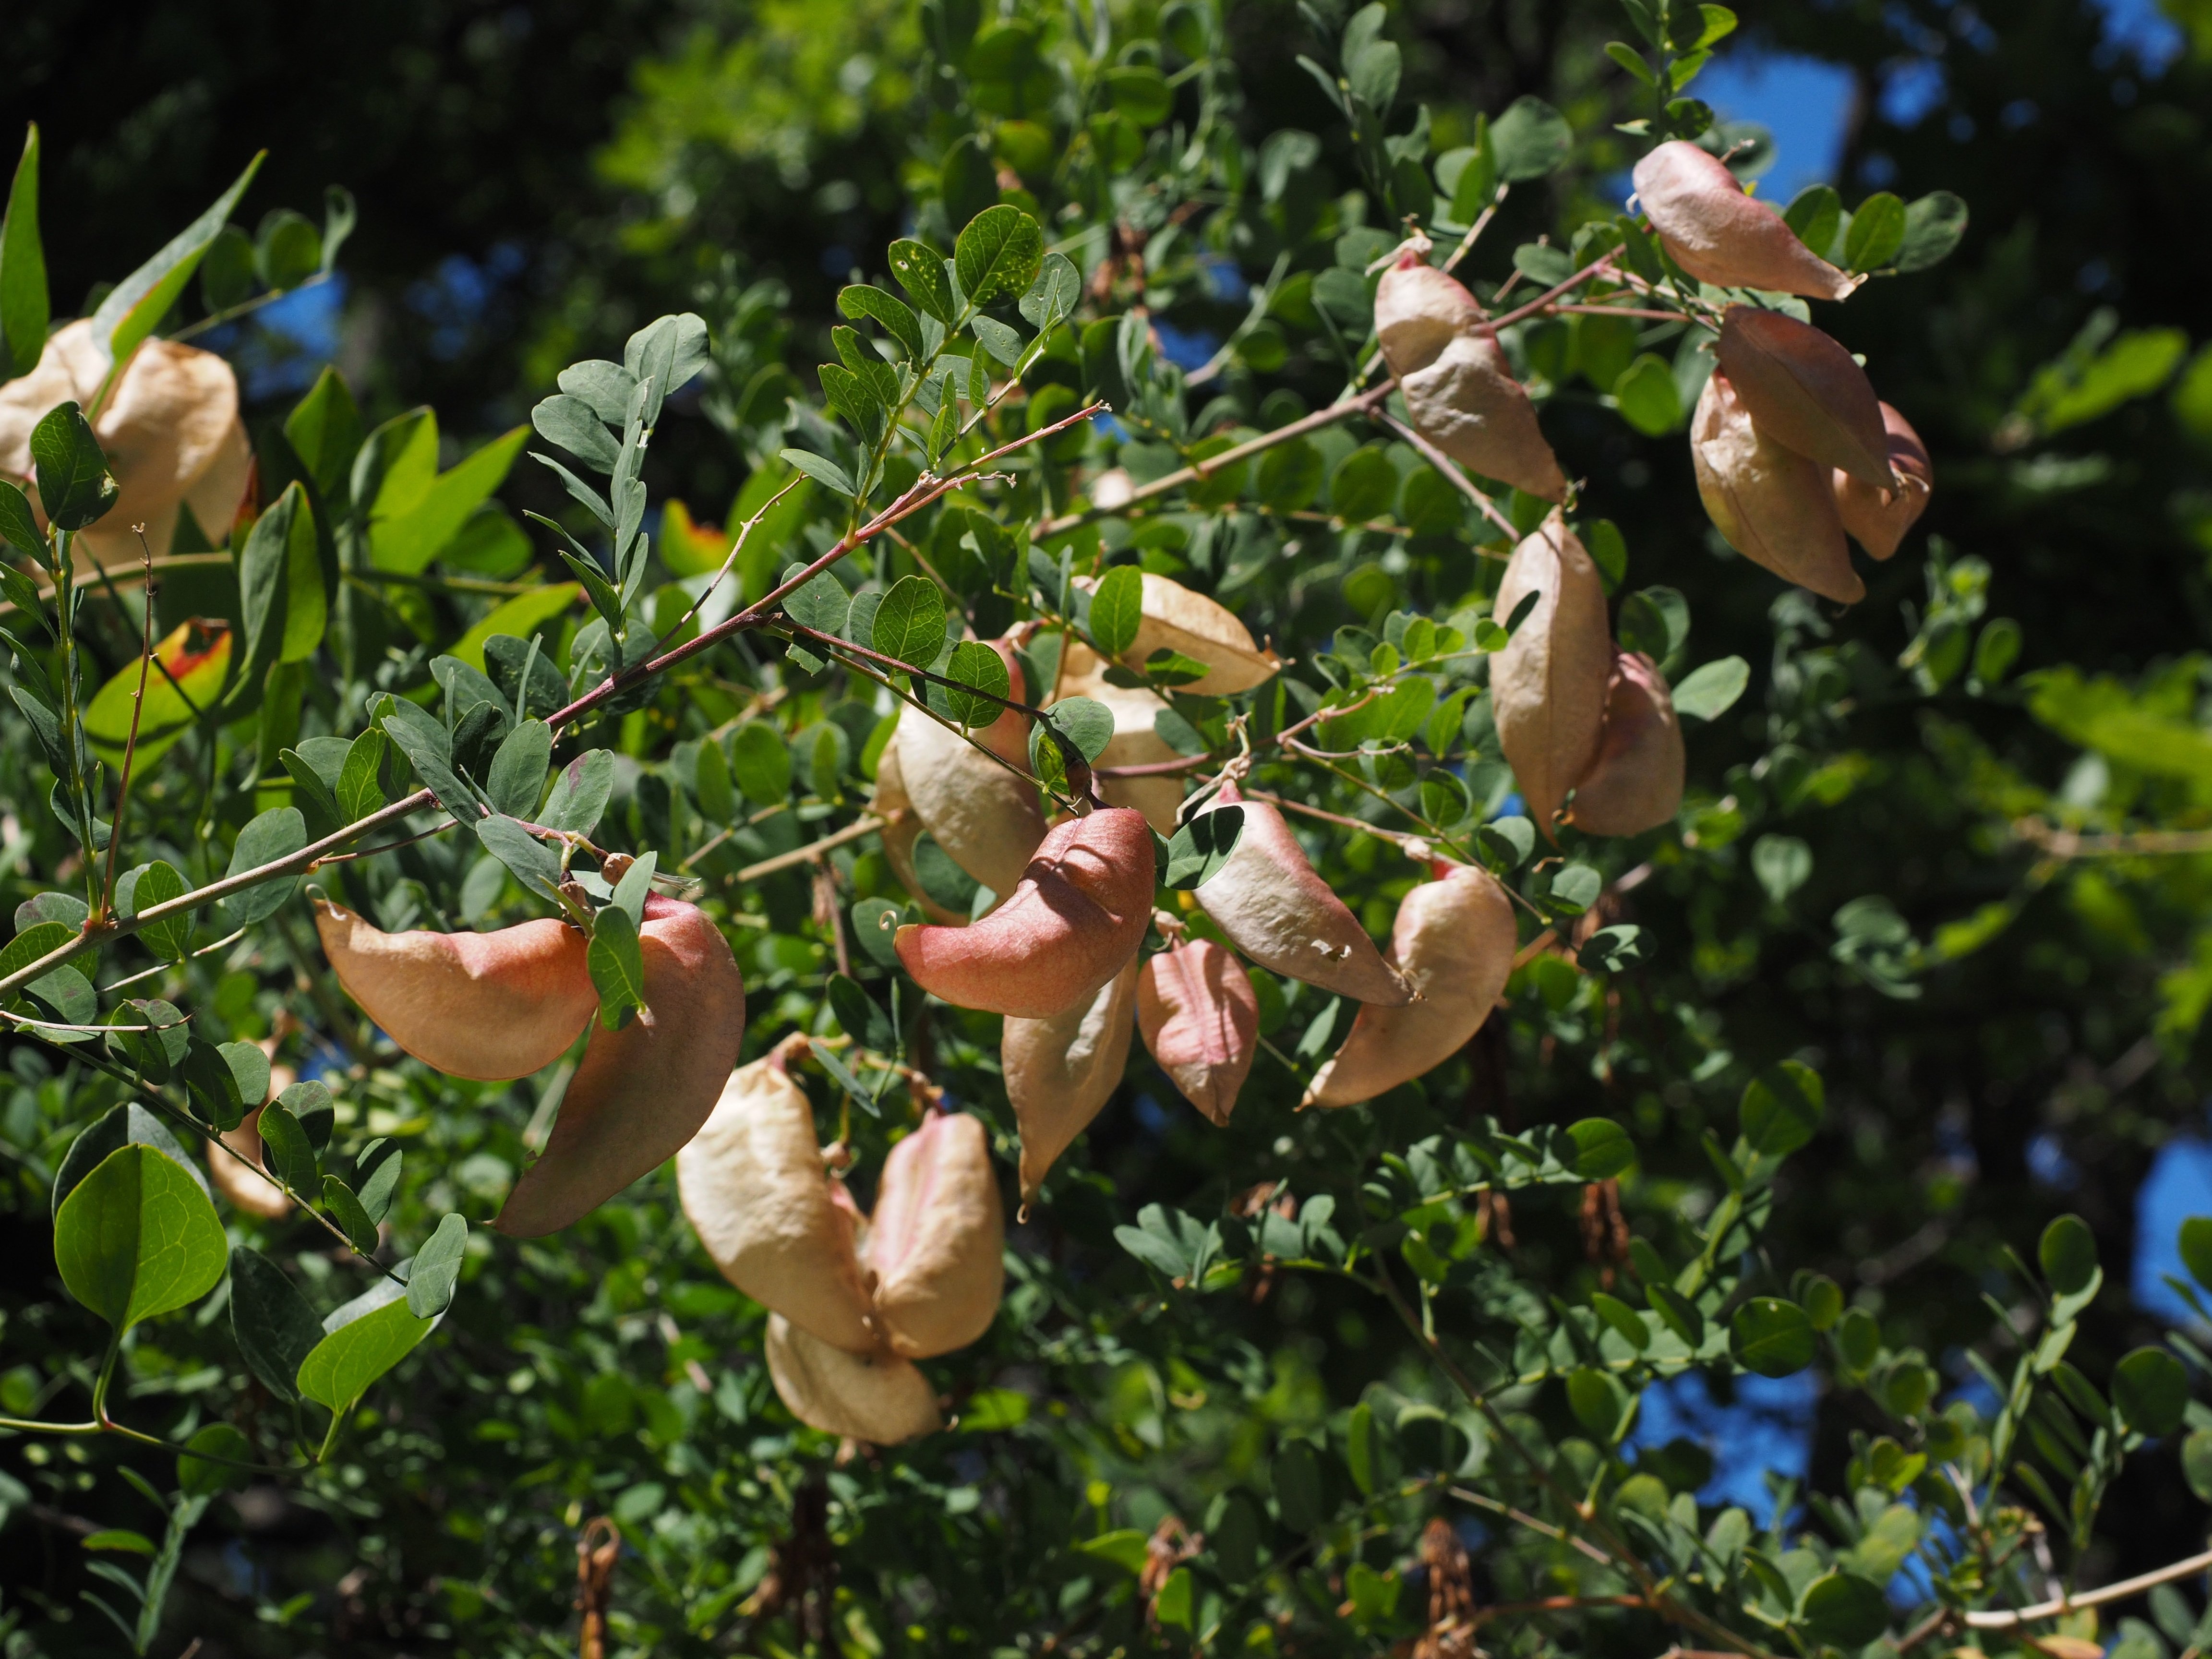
1174 619
1136 742
1075 918
1878 518
1060 1071
985 817
770 1216
1805 392
1720 235
902 829
1454 940
643 1090
1201 1020
1547 686
1773 506
1468 404
1637 783
170 429
936 1239
1418 311
494 1006
247 1187
878 1398
1266 898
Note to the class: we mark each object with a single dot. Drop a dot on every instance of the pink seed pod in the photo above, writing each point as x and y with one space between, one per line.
493 1006
1454 940
1075 918
1418 311
1468 405
984 817
1720 235
1805 392
1275 909
902 829
877 1398
1136 740
1636 784
770 1216
642 1091
1201 1020
1547 686
1878 518
1775 507
1059 1071
937 1238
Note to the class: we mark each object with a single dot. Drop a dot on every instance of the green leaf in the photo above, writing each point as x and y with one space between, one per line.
909 624
1363 486
842 1075
1646 396
280 586
1297 1473
2195 1245
286 1151
365 1339
271 1321
1083 721
581 792
999 252
1197 851
287 250
1602 1148
75 486
1782 864
119 1538
428 748
1575 888
1631 60
134 309
822 603
1709 691
1531 139
1934 226
1877 233
138 1237
2150 1390
1815 214
376 1177
19 529
24 308
407 535
212 1085
1782 1109
360 787
1680 1313
1052 298
517 774
323 429
570 422
893 317
2068 1253
921 271
1003 343
617 966
437 1268
1845 1610
207 1466
973 664
127 1125
276 833
760 761
2197 1463
345 1209
1598 1401
1117 608
1771 1337
533 863
1126 1549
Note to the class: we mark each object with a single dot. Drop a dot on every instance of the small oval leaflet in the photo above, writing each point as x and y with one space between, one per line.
1199 849
1771 1337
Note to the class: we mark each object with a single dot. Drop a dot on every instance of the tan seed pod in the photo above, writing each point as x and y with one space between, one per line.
1547 686
1774 506
642 1091
1636 784
770 1216
1059 1071
1719 235
1468 404
937 1239
1075 918
246 1186
1418 311
1174 619
171 431
984 817
1454 940
1805 392
494 1006
877 1398
902 829
1878 518
1275 909
1201 1020
1136 742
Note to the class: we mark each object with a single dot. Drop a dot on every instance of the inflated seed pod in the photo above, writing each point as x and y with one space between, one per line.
1468 404
1454 940
1805 392
902 829
1174 619
1547 686
771 1217
1637 783
1775 507
1136 740
1719 235
1418 311
1059 1071
936 1240
1072 922
1275 909
1201 1020
494 1006
984 817
879 1398
641 1091
1878 518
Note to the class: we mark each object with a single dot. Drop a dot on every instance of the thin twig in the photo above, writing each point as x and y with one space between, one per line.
1458 480
865 824
131 746
2096 1598
2071 844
